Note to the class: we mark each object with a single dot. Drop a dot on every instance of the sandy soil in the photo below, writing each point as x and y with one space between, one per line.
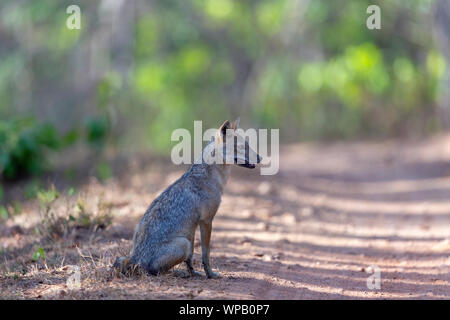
310 232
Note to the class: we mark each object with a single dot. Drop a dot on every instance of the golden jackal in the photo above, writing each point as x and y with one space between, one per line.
165 235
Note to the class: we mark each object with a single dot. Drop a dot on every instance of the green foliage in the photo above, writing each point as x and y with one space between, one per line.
15 208
3 213
83 218
104 171
310 68
57 223
96 131
38 254
71 191
23 147
70 138
32 189
52 226
46 198
359 82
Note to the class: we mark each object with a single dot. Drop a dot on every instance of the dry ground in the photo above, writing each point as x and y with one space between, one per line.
310 232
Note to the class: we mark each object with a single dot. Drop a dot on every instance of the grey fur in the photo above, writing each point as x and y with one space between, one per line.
165 235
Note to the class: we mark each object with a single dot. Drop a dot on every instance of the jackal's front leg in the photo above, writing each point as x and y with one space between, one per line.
205 232
189 263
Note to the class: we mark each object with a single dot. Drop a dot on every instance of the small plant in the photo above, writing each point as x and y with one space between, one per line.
3 213
71 191
46 198
38 254
103 217
97 129
55 226
15 208
52 226
83 218
104 171
32 189
80 218
24 145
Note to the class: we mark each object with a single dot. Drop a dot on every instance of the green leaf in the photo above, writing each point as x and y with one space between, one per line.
70 138
96 129
39 254
3 213
104 171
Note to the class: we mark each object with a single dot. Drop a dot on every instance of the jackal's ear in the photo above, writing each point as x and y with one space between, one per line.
221 133
235 124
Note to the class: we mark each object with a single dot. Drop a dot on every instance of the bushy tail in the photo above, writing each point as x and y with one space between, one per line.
124 266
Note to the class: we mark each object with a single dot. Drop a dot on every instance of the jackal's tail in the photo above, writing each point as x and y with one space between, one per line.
124 266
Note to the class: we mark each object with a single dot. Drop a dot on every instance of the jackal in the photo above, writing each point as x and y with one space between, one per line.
165 235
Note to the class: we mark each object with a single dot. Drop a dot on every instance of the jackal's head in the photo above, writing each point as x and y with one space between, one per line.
232 146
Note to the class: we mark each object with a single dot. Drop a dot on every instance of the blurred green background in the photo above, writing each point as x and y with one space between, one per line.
139 69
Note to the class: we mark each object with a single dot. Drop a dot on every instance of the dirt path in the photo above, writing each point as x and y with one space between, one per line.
310 232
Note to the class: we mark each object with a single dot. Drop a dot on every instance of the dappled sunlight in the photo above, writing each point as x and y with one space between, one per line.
94 97
290 236
349 205
374 188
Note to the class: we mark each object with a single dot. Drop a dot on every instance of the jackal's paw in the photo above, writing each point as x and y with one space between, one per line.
186 274
212 275
181 273
196 274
